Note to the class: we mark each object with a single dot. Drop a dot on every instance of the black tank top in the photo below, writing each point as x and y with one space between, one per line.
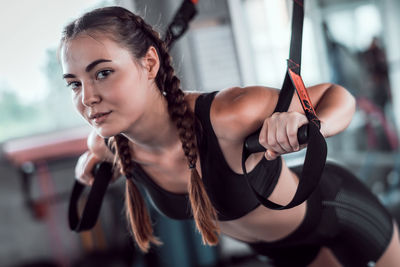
227 190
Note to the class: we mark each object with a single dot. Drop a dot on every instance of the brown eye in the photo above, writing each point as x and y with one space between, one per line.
74 85
103 74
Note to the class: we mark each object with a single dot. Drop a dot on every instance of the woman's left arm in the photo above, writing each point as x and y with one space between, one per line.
333 104
238 112
334 107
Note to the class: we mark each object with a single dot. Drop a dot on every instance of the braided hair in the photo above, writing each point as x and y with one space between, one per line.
132 32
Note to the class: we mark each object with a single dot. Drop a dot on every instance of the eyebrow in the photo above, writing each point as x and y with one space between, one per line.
88 67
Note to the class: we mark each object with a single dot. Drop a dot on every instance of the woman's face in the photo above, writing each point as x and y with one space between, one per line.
109 88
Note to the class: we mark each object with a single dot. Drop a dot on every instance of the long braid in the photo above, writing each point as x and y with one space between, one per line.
132 32
203 212
136 210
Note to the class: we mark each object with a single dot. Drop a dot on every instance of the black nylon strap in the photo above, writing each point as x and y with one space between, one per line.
90 213
287 89
297 31
312 170
316 149
180 23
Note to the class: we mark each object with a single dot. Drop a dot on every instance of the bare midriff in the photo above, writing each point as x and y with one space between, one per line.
263 224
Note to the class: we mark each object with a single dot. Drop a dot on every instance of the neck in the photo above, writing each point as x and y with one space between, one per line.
154 132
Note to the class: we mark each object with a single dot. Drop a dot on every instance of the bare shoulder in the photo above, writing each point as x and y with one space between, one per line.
190 97
237 112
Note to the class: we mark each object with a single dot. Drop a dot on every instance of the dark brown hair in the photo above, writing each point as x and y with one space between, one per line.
132 32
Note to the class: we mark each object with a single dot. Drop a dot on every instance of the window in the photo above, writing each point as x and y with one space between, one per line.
267 37
33 96
354 26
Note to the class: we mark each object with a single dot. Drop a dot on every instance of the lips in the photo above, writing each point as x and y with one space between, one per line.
99 117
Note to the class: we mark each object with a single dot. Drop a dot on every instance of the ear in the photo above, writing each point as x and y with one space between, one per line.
151 62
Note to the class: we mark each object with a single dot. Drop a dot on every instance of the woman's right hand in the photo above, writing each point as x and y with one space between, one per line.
98 152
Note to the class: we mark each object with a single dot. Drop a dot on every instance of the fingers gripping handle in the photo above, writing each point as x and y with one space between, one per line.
252 144
310 176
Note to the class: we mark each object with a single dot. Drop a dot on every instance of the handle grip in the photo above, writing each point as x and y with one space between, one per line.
103 174
252 145
96 169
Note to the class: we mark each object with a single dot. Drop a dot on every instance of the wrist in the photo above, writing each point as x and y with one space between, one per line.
324 131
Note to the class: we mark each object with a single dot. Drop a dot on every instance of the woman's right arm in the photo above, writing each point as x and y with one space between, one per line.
97 152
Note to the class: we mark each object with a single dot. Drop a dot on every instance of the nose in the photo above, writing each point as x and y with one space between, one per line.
90 95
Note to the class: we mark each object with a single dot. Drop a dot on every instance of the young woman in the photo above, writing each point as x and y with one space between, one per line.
185 149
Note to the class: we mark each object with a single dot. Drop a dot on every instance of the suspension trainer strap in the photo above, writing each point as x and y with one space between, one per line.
288 89
90 213
316 149
180 22
103 171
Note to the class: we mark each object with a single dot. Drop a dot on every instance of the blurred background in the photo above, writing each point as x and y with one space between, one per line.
230 42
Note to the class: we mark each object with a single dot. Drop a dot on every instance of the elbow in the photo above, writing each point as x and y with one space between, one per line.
348 106
350 102
338 108
347 100
353 104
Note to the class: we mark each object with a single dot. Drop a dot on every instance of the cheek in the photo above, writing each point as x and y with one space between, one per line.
76 100
121 91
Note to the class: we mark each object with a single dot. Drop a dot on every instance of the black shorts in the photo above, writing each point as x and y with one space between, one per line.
343 215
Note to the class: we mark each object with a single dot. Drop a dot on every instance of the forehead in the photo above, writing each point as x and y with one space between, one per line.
77 53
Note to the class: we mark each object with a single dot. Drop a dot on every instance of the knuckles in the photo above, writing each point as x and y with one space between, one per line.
281 139
279 131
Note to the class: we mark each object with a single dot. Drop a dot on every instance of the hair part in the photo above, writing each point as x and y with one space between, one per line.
133 33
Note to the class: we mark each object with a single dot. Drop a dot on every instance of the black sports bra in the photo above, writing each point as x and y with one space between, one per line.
228 191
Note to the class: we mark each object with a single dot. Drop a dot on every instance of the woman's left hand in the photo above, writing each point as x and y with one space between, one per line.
279 133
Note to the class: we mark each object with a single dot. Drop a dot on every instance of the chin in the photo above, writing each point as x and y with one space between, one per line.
105 133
